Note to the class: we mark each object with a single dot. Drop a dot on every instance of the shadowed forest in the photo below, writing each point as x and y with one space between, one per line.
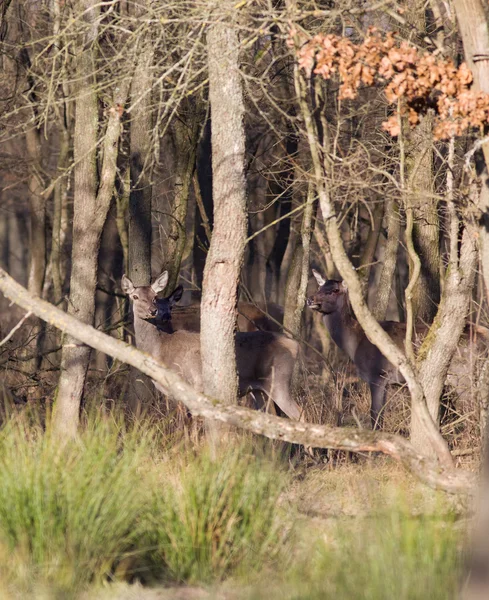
244 276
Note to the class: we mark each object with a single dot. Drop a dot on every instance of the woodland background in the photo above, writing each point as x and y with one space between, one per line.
138 137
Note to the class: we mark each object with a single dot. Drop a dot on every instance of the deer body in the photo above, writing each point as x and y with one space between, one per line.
265 360
250 317
331 300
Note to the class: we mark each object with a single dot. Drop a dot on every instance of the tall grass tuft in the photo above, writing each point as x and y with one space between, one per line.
68 513
213 518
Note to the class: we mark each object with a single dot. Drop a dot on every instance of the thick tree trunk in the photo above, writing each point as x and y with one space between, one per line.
426 230
226 252
420 187
185 141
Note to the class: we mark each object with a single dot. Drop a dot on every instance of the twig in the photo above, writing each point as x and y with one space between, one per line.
477 146
16 328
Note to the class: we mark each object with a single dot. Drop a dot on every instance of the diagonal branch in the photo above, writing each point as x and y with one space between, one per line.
318 436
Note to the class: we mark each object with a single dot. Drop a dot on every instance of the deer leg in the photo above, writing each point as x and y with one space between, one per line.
282 398
378 391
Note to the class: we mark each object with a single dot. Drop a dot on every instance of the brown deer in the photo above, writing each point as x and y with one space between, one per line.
250 317
265 360
331 300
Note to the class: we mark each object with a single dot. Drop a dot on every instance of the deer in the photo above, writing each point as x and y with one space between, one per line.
251 317
331 300
265 360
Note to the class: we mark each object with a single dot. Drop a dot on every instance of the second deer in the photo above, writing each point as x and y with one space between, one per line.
265 360
331 300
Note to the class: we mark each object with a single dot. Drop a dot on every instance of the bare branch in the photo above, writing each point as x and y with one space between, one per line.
318 436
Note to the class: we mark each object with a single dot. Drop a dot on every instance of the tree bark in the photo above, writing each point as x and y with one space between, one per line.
141 193
140 164
185 141
390 260
420 186
368 254
226 252
296 288
91 204
426 226
319 436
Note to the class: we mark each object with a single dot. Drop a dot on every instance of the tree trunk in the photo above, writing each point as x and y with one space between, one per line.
226 252
141 169
141 390
391 250
91 204
368 254
426 226
421 198
185 141
296 289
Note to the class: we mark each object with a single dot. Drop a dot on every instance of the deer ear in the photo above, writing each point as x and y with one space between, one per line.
127 285
319 278
160 283
344 286
176 296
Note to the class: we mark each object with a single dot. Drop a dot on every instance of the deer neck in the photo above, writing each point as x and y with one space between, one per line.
344 330
148 336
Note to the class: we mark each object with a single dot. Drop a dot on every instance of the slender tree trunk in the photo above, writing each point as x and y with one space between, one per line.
295 292
368 254
91 204
391 249
60 221
186 139
141 391
226 252
141 169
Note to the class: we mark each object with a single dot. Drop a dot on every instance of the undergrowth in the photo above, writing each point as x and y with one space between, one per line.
126 503
129 503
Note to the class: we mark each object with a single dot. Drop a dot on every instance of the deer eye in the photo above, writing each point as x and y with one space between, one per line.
135 297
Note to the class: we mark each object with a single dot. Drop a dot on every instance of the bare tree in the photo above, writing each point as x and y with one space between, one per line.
93 194
226 252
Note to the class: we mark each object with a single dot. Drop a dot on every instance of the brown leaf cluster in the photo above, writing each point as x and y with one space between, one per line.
421 79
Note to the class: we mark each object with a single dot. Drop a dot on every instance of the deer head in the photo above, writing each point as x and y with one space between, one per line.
144 297
165 305
331 296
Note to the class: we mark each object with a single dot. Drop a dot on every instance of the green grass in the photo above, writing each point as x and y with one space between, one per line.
389 554
118 504
68 515
394 556
211 519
